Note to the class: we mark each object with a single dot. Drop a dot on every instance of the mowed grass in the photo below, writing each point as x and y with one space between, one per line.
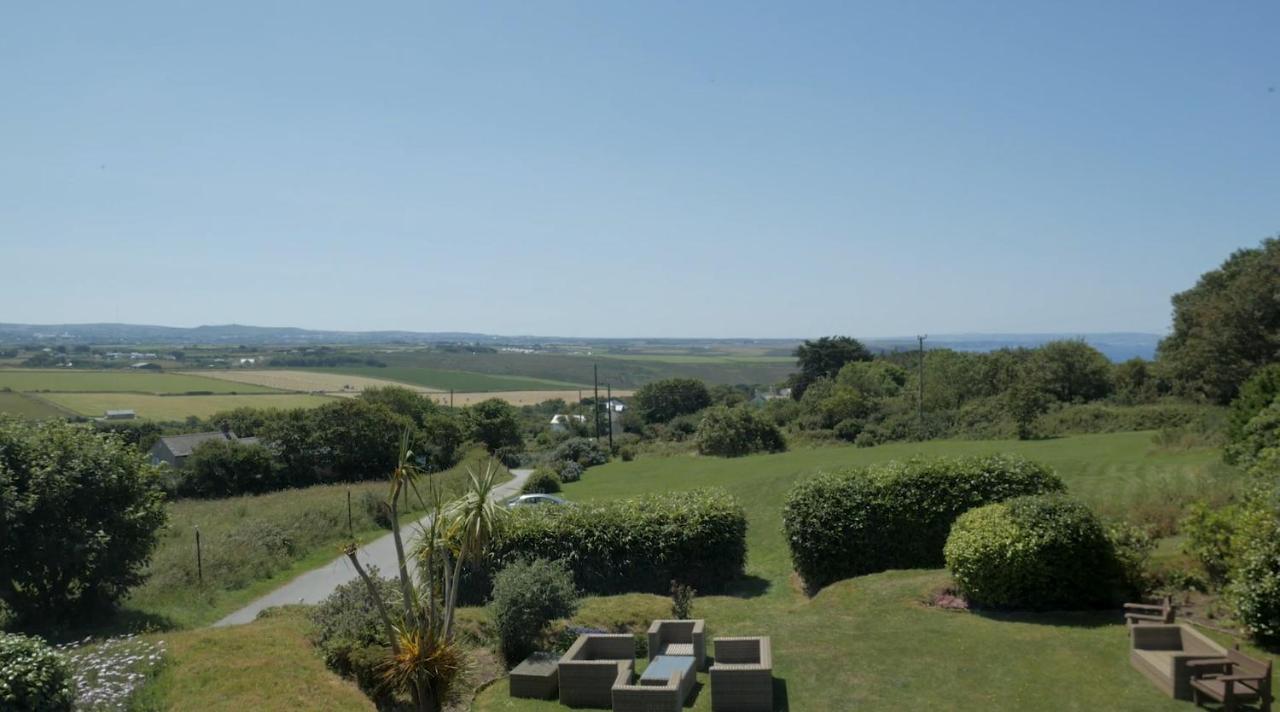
252 544
266 665
871 642
25 406
445 379
155 407
130 381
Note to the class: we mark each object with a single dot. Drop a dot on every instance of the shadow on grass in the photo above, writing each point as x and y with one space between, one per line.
1057 619
748 586
692 699
123 621
780 703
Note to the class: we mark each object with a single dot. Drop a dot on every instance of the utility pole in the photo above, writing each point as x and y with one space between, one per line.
609 404
921 340
595 400
450 397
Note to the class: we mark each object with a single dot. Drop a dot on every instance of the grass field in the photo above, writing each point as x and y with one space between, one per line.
29 380
521 397
307 381
871 642
266 665
444 379
694 359
25 406
251 545
154 407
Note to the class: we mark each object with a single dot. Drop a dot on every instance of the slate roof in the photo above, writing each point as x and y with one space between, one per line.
182 445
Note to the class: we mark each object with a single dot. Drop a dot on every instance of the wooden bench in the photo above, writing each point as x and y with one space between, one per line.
1138 613
1234 680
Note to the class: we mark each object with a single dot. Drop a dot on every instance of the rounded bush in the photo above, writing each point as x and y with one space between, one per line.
541 482
1037 552
570 472
896 515
584 451
1254 591
733 432
33 677
527 595
350 633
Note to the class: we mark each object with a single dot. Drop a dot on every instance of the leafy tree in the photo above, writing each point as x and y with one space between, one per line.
1073 371
1025 402
357 439
402 401
245 422
224 468
79 517
823 359
730 395
296 444
660 401
494 423
872 379
442 436
1259 392
1134 381
1227 326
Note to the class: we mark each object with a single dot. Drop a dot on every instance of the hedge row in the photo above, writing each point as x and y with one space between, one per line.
631 545
896 515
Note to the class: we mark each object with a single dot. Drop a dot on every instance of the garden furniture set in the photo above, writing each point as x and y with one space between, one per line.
598 671
1186 665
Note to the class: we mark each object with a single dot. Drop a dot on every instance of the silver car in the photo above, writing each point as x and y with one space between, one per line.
530 500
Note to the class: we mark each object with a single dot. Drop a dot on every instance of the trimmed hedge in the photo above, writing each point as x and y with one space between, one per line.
896 515
1037 552
631 545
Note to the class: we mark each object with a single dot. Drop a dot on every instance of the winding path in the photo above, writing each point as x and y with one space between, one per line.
315 585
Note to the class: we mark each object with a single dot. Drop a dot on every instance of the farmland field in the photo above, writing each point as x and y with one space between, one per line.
32 380
445 379
155 407
696 359
307 381
26 406
521 397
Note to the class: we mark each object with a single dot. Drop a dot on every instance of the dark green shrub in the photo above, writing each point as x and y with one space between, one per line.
896 515
682 600
584 451
33 677
375 506
494 422
79 517
1260 391
570 471
1133 546
627 453
541 482
223 468
1038 552
640 544
1209 533
350 634
527 595
733 432
661 401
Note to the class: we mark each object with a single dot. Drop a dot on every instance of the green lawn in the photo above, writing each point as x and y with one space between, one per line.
132 381
870 642
462 381
178 407
26 406
251 545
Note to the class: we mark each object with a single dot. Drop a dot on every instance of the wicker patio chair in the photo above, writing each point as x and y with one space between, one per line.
588 670
742 675
676 637
647 695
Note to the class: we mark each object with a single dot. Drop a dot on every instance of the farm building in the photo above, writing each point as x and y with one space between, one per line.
560 421
119 415
173 450
616 405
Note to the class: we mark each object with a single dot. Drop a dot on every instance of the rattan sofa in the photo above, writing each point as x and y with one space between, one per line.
1162 653
742 675
676 637
591 666
629 696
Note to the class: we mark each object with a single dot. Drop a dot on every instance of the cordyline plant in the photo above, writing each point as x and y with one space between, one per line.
425 660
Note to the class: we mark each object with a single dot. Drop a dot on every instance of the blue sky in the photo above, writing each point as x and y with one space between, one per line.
632 169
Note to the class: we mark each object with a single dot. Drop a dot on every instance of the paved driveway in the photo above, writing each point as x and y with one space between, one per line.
315 585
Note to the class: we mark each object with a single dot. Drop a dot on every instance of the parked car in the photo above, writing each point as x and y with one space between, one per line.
531 500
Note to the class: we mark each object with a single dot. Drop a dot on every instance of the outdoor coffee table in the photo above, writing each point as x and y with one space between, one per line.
661 668
536 677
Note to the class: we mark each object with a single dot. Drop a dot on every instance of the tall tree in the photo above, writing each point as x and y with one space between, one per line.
1227 326
823 359
660 401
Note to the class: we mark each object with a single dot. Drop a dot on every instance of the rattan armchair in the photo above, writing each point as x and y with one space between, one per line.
676 637
591 666
742 675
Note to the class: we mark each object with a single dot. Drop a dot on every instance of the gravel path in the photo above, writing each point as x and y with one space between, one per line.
315 585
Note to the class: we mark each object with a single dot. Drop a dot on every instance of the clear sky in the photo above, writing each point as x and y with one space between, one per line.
631 169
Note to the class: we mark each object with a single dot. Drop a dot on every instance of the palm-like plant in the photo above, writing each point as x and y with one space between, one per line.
425 660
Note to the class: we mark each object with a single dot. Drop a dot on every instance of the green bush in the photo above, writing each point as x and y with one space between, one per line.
639 544
733 432
542 481
1105 418
33 677
375 507
1254 591
80 514
1260 391
1209 533
527 595
350 634
584 451
896 515
660 401
569 471
224 468
1038 552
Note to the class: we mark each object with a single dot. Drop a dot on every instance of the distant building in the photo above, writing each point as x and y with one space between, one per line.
248 361
560 421
144 364
173 450
119 415
616 405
